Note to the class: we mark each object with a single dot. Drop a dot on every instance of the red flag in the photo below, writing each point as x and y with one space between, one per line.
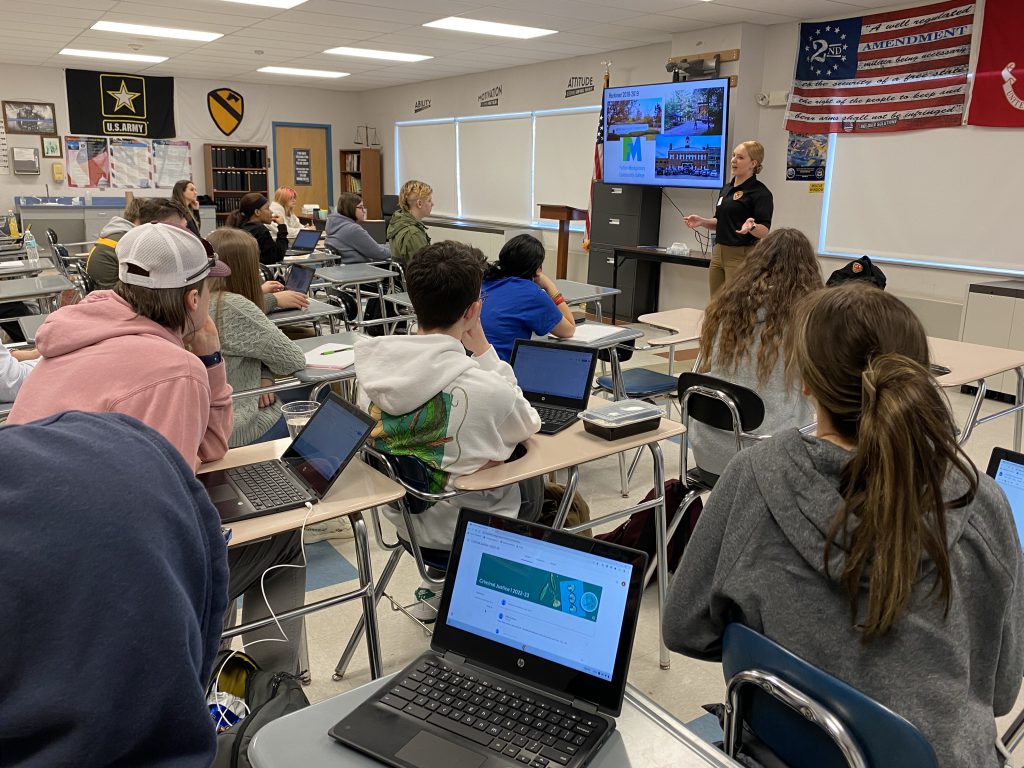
997 97
598 164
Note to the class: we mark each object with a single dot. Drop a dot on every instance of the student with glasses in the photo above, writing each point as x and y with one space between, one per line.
148 348
346 236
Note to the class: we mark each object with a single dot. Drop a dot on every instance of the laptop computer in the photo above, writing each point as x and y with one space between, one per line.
1006 467
555 378
305 473
305 242
299 278
528 658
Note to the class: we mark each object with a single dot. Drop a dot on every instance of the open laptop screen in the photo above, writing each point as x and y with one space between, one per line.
323 448
554 370
300 278
1007 468
306 240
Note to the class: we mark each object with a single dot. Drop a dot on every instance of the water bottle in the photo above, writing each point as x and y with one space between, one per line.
12 224
31 249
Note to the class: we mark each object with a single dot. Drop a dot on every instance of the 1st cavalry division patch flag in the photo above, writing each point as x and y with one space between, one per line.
116 104
226 108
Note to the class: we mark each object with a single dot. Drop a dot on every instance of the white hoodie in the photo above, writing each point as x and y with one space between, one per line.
456 413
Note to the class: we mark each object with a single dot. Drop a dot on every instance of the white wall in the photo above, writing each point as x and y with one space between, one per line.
263 105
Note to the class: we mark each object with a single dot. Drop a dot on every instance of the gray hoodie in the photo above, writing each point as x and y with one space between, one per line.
757 556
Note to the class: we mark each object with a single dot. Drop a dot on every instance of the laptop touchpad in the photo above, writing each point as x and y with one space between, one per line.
426 750
221 493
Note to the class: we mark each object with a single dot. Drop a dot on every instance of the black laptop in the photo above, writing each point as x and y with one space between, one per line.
305 473
528 659
1006 467
299 278
305 243
555 378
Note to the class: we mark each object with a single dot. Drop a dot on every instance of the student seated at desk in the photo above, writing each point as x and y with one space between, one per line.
15 366
520 299
254 349
346 237
283 206
407 234
115 564
873 550
254 216
743 339
101 265
148 348
456 413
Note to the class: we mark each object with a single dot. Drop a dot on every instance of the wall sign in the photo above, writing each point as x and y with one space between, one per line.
490 98
421 105
115 104
579 84
226 109
303 167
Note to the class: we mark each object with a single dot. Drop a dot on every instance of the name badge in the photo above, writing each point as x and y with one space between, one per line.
737 195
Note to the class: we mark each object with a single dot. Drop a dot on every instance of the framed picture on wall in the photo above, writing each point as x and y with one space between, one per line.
51 146
32 117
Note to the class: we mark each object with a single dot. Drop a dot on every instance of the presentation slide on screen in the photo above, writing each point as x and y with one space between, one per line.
550 601
668 135
1010 477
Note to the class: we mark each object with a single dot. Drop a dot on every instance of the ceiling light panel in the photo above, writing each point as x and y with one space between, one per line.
147 31
111 55
285 4
368 53
301 72
476 26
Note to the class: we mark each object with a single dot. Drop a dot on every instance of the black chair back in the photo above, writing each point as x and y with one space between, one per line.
51 237
715 413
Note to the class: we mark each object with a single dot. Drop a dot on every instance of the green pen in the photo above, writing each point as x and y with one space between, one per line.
333 351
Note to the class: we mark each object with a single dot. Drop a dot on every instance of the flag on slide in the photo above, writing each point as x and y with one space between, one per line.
995 97
598 164
896 71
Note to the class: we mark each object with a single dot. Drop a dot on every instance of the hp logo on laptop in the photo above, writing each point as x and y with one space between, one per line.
520 663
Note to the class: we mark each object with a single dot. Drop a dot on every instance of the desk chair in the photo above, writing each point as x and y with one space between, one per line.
69 266
413 475
805 716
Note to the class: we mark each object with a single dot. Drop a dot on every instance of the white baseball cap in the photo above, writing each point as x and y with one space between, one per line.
167 257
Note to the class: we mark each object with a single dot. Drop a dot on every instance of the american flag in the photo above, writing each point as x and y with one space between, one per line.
598 163
894 71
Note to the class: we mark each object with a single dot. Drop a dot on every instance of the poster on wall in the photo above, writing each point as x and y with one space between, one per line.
118 104
172 161
130 164
806 157
87 159
5 153
303 167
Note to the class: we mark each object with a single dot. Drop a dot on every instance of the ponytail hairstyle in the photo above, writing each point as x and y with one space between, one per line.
521 257
247 208
863 355
755 150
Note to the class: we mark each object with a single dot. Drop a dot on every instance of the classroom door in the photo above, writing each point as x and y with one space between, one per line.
302 162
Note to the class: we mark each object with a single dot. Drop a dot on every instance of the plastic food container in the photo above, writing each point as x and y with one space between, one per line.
622 418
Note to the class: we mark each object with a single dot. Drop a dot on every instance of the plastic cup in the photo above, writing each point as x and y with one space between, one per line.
298 414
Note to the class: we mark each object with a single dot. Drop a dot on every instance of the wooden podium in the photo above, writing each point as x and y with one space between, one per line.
563 214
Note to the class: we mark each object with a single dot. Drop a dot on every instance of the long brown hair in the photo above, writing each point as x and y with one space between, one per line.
780 271
178 193
239 251
863 355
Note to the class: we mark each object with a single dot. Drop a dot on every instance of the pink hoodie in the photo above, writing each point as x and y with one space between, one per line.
100 356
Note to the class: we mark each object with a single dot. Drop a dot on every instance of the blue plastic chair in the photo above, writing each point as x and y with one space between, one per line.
806 717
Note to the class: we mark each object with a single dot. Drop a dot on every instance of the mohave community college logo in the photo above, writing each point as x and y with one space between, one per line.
226 109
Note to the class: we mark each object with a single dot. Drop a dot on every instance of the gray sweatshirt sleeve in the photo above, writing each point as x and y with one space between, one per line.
696 612
1010 668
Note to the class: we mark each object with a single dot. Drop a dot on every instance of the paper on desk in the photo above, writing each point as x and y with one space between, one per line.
16 264
589 332
335 356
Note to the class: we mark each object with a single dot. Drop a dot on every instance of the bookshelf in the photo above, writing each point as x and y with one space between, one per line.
361 173
233 170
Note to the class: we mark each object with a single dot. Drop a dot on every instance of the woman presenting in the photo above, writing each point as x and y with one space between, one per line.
743 215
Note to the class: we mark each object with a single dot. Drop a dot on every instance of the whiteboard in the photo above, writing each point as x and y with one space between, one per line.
495 162
426 152
564 158
943 197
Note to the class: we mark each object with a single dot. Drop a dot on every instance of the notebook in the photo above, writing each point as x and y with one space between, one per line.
305 473
305 243
300 278
528 658
1006 467
555 378
331 355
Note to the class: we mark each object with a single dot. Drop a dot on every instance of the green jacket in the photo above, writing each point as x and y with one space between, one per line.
101 264
407 236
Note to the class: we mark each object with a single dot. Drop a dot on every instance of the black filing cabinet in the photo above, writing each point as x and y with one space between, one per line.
625 215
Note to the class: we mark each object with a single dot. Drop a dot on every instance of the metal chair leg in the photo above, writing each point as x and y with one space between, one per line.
355 639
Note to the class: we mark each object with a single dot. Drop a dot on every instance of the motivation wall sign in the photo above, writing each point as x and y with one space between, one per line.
119 104
490 98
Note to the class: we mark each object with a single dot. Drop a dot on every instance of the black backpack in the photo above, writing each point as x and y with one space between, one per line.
269 695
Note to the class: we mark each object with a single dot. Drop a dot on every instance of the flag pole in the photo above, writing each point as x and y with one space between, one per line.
598 172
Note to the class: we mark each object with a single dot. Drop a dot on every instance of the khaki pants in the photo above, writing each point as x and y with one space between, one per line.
725 262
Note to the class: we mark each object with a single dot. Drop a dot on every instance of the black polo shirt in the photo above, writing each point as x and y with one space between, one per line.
736 204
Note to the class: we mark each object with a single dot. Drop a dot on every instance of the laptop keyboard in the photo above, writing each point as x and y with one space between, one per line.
267 485
525 727
554 416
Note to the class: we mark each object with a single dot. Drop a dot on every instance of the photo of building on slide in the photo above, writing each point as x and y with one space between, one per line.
698 157
633 117
552 590
694 112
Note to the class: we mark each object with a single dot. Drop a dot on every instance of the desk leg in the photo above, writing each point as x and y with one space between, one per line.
972 417
619 393
365 568
615 285
661 542
567 497
378 591
1018 417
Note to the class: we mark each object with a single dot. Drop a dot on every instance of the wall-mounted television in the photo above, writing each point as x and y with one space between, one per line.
667 134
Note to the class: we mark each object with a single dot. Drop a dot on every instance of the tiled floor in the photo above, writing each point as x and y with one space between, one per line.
681 690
